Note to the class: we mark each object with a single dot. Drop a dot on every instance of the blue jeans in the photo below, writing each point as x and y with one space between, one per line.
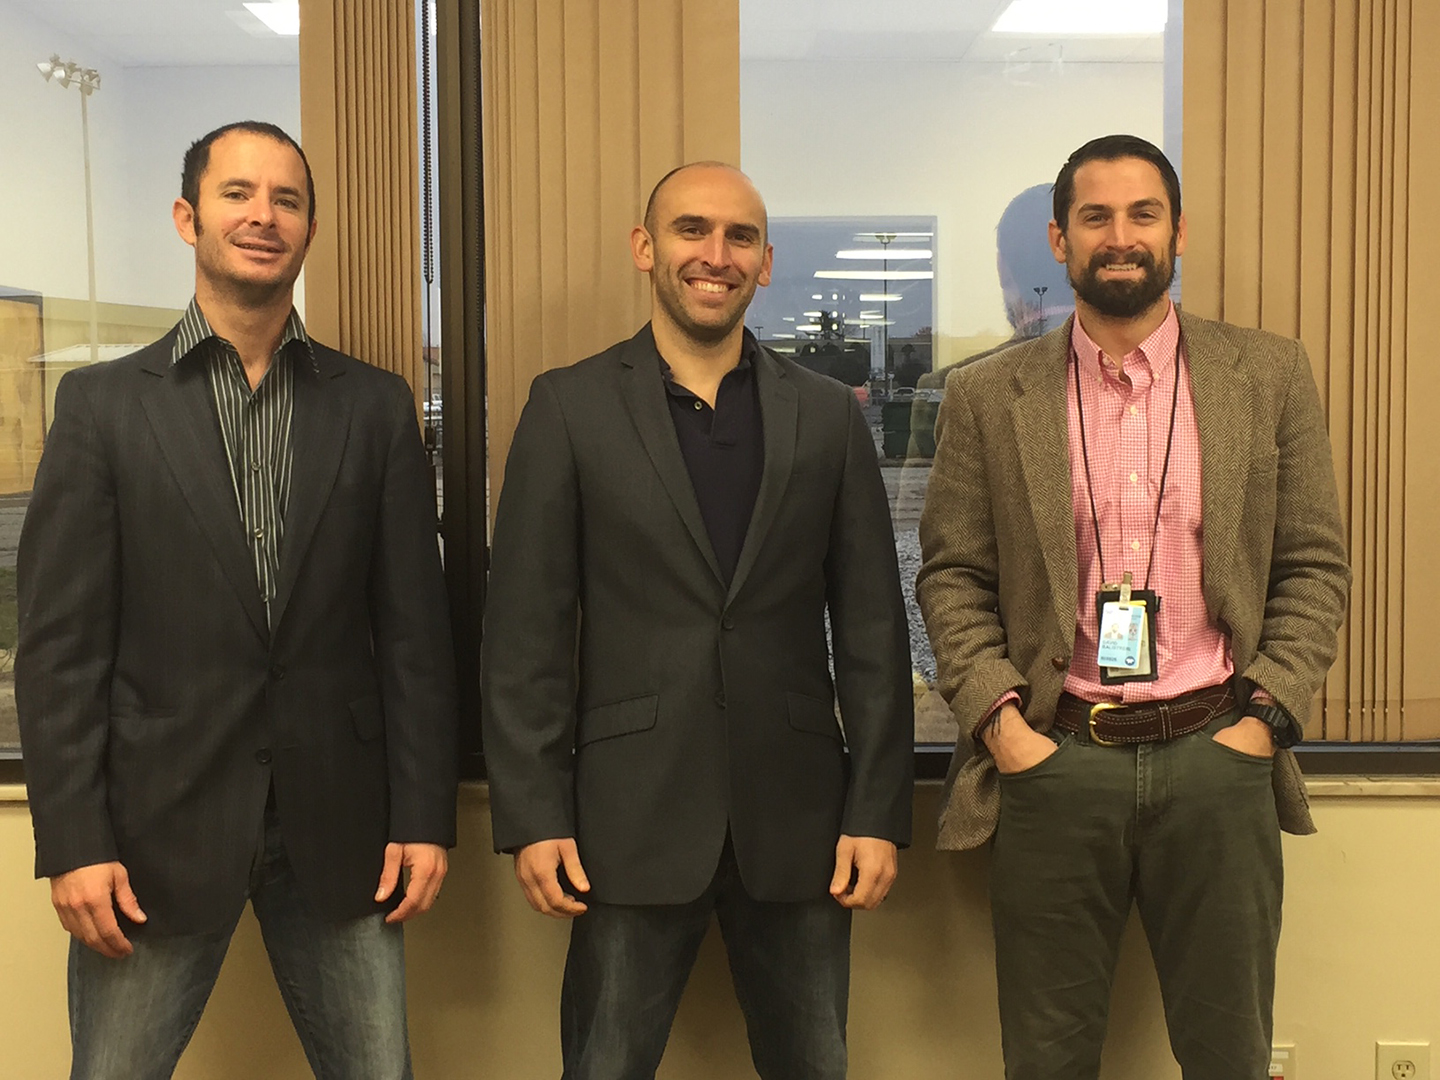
343 984
627 967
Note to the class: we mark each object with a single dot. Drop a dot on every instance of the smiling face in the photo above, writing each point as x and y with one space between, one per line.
1119 245
252 226
705 250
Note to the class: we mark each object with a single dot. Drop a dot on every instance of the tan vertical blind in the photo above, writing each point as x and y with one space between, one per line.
359 130
1310 161
587 103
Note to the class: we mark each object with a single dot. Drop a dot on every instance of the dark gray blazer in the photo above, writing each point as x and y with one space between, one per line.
155 706
695 706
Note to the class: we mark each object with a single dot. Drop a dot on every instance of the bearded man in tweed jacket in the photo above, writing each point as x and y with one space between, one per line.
1190 459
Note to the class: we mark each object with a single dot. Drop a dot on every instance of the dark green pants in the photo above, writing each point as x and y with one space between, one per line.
1185 829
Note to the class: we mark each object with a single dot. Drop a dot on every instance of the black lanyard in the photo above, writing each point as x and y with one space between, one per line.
1164 470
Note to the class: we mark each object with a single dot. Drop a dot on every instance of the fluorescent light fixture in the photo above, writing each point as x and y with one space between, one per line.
872 314
854 322
786 349
871 236
281 16
809 328
876 275
782 335
1110 18
788 318
817 296
882 253
880 297
812 314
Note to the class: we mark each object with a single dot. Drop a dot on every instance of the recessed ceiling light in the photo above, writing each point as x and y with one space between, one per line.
876 275
281 16
1077 17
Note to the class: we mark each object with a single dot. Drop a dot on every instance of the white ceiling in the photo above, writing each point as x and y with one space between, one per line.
915 30
165 33
210 32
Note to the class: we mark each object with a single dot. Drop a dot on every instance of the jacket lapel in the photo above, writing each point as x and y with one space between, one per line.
177 404
779 406
1041 418
1221 398
644 393
320 425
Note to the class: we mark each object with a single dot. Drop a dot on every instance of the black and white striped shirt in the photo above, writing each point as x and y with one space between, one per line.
255 425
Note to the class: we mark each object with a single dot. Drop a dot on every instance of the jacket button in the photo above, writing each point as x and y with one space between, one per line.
277 673
1059 662
727 623
262 756
720 699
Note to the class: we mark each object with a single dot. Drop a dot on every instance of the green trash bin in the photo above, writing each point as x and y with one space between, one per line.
895 428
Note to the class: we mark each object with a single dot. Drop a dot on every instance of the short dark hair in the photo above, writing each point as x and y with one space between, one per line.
649 219
1113 148
197 159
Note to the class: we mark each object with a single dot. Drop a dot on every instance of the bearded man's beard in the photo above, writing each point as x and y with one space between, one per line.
1119 298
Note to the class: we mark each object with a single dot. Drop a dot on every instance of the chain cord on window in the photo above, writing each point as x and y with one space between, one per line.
427 227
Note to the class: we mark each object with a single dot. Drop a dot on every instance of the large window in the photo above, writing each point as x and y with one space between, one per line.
906 152
98 102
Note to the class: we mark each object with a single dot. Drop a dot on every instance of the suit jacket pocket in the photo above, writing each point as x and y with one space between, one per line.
813 715
368 717
617 718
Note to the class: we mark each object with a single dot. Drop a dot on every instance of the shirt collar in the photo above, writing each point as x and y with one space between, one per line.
748 349
194 330
1156 349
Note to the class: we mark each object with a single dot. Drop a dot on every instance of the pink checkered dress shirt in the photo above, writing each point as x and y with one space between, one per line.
1127 421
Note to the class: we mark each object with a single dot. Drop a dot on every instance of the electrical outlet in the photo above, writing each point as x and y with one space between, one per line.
1282 1062
1402 1061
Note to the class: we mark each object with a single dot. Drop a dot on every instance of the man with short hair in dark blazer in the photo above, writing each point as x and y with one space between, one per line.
235 676
687 507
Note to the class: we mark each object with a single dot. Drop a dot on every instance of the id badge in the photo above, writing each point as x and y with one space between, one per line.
1122 627
1127 633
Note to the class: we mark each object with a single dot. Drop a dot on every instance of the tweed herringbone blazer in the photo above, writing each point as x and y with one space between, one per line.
998 581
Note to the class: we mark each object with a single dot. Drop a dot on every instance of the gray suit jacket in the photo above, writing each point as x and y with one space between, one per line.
998 581
156 706
693 706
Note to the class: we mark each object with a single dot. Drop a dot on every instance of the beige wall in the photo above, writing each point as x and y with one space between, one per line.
1358 962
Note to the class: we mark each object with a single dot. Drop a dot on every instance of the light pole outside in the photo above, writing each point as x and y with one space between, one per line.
87 80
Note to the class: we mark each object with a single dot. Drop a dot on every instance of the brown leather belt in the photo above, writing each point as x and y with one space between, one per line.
1112 724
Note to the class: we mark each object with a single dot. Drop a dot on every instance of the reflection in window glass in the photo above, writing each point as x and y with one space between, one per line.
950 117
91 268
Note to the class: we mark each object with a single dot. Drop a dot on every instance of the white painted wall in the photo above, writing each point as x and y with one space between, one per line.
141 121
957 140
42 213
